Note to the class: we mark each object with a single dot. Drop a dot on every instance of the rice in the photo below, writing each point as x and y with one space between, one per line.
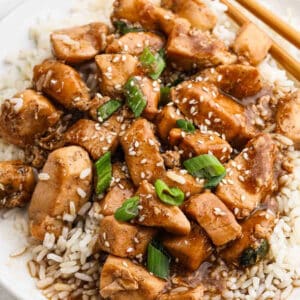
67 267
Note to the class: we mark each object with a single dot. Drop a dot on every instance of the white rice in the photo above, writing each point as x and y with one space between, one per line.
61 267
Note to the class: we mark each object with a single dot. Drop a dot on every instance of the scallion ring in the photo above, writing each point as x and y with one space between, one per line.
104 173
129 209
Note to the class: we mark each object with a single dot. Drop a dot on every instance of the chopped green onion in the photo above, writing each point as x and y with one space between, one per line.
165 95
129 209
154 63
206 166
104 172
172 196
135 97
185 125
107 109
123 28
214 181
158 262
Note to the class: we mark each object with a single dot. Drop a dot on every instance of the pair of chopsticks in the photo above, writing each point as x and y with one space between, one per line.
285 30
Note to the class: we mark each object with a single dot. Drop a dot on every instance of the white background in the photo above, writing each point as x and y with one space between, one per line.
7 5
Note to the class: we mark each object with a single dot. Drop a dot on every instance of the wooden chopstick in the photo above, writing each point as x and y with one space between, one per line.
286 60
284 29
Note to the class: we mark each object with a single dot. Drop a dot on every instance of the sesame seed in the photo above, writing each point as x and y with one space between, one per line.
44 176
106 244
85 173
81 192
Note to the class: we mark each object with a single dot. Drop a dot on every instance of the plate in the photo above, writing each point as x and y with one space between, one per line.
14 28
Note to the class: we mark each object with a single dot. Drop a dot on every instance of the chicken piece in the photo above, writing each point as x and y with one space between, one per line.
248 180
214 217
151 91
149 15
171 159
155 213
199 14
183 293
121 279
198 143
114 72
120 190
142 152
134 43
95 138
62 181
166 120
79 44
17 182
239 81
188 49
62 83
287 116
205 106
25 117
246 44
190 250
181 179
253 244
124 239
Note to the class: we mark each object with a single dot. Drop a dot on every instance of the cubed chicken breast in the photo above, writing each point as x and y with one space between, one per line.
253 244
202 103
95 138
142 152
196 11
198 143
120 190
124 239
145 12
155 213
25 117
62 83
286 118
188 49
247 45
166 120
151 91
214 217
239 81
250 176
121 279
134 43
181 179
79 44
17 182
114 72
183 293
60 183
190 250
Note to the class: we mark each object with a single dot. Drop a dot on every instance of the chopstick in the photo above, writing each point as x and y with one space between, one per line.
284 29
286 60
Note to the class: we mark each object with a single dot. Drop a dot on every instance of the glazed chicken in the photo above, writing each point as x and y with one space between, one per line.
162 163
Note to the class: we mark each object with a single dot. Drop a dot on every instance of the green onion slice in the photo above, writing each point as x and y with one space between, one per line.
186 125
158 262
107 109
165 95
104 173
123 28
154 63
172 196
206 166
129 209
135 98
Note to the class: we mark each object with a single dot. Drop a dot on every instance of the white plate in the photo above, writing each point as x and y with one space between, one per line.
14 35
